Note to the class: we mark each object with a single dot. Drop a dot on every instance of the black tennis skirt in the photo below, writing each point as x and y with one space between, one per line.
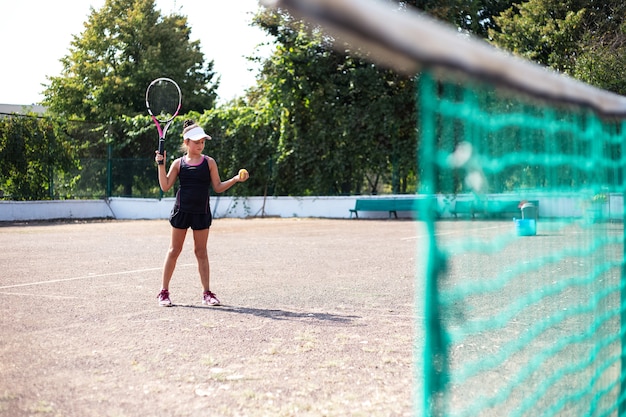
182 220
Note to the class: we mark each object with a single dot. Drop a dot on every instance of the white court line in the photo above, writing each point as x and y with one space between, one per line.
53 281
23 294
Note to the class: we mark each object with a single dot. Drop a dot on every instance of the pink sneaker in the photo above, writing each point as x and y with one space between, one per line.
210 299
164 298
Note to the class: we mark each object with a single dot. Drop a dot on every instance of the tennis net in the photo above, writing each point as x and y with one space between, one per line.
519 289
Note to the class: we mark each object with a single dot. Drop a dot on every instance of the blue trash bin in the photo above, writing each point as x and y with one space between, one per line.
527 225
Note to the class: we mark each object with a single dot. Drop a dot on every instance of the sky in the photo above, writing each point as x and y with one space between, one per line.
38 33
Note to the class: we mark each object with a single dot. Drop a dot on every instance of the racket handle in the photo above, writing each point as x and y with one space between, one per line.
161 148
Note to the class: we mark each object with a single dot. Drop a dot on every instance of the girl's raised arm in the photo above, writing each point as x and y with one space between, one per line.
167 181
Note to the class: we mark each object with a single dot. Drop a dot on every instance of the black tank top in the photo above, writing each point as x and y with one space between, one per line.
195 180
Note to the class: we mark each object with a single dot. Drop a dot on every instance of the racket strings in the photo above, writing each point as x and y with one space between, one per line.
163 100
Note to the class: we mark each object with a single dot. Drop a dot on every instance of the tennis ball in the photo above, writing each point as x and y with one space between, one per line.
242 173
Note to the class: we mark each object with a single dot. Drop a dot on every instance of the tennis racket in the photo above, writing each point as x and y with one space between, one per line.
163 100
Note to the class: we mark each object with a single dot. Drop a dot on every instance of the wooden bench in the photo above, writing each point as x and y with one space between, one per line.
504 208
464 207
491 208
392 205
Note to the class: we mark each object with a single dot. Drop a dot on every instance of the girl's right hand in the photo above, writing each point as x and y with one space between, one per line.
160 158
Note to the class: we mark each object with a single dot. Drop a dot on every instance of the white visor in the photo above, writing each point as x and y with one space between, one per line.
196 133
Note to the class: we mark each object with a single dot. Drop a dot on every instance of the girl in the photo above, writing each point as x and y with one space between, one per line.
192 210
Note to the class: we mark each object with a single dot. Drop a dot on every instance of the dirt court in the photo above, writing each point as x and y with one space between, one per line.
317 320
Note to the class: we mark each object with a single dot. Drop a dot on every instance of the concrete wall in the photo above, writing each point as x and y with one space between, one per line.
326 207
142 208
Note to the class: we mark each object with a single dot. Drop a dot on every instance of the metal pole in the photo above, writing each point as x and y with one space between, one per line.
109 187
109 170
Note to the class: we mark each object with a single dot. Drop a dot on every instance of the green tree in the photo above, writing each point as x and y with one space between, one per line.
474 16
33 151
340 124
602 59
543 31
240 140
125 45
583 38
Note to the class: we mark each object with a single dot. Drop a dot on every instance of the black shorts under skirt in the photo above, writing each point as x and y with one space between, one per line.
182 220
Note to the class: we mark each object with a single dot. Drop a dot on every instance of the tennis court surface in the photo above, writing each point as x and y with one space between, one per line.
318 319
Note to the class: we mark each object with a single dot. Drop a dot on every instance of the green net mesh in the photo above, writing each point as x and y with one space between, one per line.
522 290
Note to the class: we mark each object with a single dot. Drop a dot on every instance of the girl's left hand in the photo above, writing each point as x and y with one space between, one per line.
243 175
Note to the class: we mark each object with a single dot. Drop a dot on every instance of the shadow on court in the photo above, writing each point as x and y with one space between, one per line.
277 314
